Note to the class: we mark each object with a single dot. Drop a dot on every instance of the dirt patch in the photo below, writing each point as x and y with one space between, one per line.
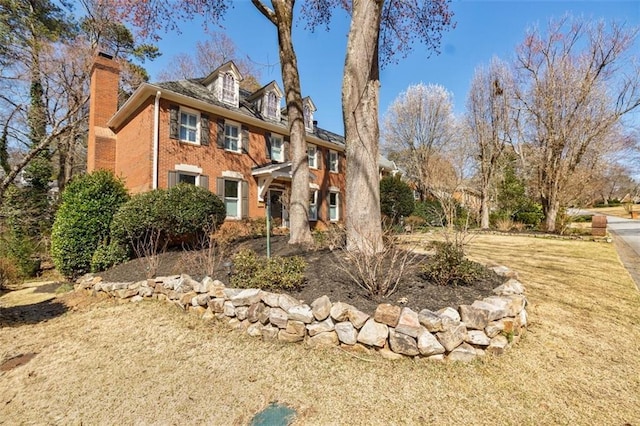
17 361
325 275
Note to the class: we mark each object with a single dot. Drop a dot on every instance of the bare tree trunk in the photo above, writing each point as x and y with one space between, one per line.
282 18
550 210
360 102
484 209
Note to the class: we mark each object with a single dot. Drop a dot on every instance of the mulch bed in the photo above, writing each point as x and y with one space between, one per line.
325 275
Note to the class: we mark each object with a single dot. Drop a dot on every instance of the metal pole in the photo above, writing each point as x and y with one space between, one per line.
268 224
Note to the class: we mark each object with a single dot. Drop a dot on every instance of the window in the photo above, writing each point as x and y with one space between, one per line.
277 148
232 197
313 204
334 206
312 153
228 88
186 178
308 120
272 105
333 161
231 137
189 126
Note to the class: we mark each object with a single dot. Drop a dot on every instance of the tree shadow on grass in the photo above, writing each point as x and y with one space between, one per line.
15 316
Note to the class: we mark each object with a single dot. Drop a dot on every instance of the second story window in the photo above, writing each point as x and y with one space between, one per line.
308 123
333 161
231 137
277 148
228 88
188 126
312 153
272 105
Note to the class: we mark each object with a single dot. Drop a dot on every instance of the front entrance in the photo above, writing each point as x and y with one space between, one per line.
278 214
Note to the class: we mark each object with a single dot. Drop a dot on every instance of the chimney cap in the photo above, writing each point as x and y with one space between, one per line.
105 55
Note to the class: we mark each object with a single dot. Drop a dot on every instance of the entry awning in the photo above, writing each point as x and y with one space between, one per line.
269 173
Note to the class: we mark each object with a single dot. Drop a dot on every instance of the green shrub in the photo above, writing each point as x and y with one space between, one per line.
182 212
396 198
83 220
449 266
275 273
431 211
108 255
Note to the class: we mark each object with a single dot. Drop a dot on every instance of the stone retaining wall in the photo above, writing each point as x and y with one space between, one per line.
488 326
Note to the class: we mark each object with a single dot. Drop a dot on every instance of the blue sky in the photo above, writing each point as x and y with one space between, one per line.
483 29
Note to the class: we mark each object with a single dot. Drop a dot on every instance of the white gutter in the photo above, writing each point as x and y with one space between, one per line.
156 139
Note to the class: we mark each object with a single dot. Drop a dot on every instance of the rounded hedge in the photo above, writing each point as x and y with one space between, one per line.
184 211
83 220
396 198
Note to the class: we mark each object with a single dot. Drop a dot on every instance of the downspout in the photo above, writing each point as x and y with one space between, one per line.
156 139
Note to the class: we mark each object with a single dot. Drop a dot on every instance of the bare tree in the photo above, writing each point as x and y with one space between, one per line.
489 124
424 138
574 84
209 55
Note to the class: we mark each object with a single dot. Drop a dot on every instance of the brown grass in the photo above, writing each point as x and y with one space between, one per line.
151 364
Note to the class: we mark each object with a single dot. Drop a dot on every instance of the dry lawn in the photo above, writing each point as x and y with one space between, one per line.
149 363
618 211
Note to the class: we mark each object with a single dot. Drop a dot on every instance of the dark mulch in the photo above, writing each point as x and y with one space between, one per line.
325 275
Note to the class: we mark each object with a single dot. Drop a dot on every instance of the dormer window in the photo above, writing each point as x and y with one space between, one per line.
228 87
272 105
308 108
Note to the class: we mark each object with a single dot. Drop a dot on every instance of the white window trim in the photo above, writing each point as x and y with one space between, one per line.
239 143
192 112
239 196
276 114
337 219
315 192
183 173
337 169
234 90
315 156
188 168
231 174
308 117
281 139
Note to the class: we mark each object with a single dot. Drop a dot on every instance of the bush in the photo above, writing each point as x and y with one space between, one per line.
396 198
431 211
183 212
83 220
108 255
8 272
275 273
449 266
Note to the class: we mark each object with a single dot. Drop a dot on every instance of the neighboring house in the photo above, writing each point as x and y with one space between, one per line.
211 133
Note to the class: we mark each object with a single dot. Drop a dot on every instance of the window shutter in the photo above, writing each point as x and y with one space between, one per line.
285 149
245 199
319 158
204 130
328 198
267 140
173 179
245 138
174 128
220 188
220 135
204 181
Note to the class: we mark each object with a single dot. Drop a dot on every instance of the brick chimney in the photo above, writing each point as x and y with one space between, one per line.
103 104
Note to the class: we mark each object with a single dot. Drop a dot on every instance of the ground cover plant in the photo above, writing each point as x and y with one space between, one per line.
577 364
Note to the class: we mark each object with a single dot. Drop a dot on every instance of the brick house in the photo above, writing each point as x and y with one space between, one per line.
210 132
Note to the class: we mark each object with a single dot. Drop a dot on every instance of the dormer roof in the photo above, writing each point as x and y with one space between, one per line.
270 87
226 67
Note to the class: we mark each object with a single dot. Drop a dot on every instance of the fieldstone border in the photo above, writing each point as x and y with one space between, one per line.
488 326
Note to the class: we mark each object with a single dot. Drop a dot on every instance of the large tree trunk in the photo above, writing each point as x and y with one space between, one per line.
550 209
484 209
299 205
360 102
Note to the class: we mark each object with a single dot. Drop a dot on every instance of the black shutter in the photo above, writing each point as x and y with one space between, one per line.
319 157
245 199
173 179
267 140
220 135
174 127
245 138
204 130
